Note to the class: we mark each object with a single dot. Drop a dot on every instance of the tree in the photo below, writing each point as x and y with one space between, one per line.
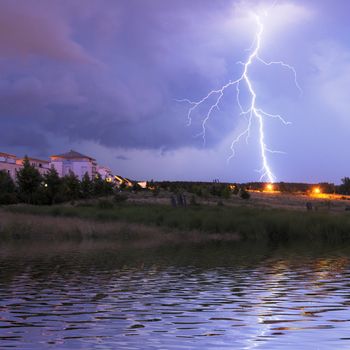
98 186
52 185
235 189
345 186
101 187
244 194
86 186
71 186
136 187
226 192
7 189
108 188
150 184
6 183
29 181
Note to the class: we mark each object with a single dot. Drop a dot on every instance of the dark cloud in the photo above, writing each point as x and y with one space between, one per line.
18 136
108 72
35 29
127 99
121 157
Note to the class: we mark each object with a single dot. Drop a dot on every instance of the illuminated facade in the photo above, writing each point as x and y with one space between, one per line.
106 173
41 165
74 162
65 163
8 164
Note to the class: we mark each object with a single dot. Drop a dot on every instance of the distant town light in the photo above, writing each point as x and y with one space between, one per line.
316 190
269 187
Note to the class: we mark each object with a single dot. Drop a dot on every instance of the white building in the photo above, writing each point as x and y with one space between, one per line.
72 161
119 181
75 162
8 164
41 165
106 173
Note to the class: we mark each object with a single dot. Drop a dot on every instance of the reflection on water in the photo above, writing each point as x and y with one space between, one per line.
204 297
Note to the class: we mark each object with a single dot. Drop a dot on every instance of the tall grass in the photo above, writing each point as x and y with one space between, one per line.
275 225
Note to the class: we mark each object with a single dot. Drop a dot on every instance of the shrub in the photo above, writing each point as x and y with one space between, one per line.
193 201
244 194
105 204
120 198
8 198
156 192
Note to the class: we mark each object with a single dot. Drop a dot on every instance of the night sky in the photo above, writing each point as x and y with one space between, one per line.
102 77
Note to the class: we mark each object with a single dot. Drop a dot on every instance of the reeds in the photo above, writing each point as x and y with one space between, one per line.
158 221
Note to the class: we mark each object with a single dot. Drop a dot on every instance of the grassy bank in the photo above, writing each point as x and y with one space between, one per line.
24 227
162 222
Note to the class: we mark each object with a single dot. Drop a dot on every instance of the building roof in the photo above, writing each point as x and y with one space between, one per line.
123 179
72 155
3 154
33 159
101 167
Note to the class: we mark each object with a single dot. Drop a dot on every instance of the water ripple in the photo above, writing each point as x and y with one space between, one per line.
276 303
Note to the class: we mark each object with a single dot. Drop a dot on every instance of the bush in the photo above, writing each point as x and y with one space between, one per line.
8 198
105 204
156 192
244 194
120 198
235 189
193 201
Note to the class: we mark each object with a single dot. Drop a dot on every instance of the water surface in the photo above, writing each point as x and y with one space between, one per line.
217 296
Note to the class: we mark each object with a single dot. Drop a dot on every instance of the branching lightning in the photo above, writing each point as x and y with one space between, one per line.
253 112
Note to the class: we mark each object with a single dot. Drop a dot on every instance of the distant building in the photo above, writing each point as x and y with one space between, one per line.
41 165
8 163
75 162
64 163
106 173
122 181
142 184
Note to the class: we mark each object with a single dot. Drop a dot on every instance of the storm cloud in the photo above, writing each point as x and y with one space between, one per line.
105 75
108 73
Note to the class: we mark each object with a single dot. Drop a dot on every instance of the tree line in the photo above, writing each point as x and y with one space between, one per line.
203 189
33 188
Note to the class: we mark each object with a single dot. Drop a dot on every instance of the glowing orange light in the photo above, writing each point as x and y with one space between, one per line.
269 187
316 190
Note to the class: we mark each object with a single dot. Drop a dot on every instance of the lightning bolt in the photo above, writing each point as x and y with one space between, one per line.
253 112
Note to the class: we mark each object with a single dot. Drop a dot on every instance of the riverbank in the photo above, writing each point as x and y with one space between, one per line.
24 227
161 224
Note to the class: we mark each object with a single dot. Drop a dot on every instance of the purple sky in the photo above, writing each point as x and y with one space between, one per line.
102 77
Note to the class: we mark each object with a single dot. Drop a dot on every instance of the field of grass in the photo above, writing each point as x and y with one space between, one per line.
219 222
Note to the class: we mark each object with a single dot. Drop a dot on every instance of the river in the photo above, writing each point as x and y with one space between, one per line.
217 296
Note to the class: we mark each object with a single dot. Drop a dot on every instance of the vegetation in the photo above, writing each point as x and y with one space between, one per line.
29 182
31 187
7 189
204 189
272 225
344 188
244 194
98 200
